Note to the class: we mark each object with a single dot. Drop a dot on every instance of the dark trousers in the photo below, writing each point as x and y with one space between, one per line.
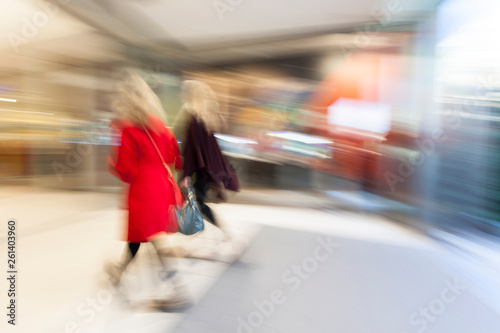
201 188
133 248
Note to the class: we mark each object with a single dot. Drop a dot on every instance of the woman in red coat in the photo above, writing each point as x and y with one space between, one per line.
137 163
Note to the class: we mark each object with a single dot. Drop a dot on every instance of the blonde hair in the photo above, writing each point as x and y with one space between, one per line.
136 101
201 102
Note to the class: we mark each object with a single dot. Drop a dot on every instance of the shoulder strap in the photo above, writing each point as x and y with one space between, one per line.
177 193
167 169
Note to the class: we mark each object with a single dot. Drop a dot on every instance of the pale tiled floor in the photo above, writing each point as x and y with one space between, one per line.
65 238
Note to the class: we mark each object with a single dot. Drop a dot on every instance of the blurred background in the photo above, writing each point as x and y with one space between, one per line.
392 98
387 107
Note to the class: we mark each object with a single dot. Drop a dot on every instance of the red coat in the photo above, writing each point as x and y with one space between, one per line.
151 195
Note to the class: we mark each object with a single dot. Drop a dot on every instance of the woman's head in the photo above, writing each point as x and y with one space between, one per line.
136 101
200 100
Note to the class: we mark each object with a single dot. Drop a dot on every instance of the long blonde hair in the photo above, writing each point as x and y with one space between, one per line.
136 101
201 102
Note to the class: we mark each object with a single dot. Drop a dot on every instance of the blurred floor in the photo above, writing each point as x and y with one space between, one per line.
319 283
380 274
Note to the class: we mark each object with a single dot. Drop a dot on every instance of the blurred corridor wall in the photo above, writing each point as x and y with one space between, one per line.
464 186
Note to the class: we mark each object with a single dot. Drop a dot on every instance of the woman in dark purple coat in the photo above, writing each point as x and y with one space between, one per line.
203 159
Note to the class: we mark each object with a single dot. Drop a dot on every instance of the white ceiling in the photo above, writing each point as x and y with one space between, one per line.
197 23
194 30
240 29
60 41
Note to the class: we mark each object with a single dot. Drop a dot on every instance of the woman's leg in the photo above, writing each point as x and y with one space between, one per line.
165 253
201 189
132 251
115 271
169 272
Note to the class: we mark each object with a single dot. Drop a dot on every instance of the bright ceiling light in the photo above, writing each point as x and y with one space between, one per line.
8 100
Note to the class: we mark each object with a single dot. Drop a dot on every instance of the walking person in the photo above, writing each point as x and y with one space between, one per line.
151 195
204 164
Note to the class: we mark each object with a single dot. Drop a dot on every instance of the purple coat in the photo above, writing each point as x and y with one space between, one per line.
202 154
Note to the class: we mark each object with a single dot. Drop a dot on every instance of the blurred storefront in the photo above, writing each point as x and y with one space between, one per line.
317 121
56 126
407 112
